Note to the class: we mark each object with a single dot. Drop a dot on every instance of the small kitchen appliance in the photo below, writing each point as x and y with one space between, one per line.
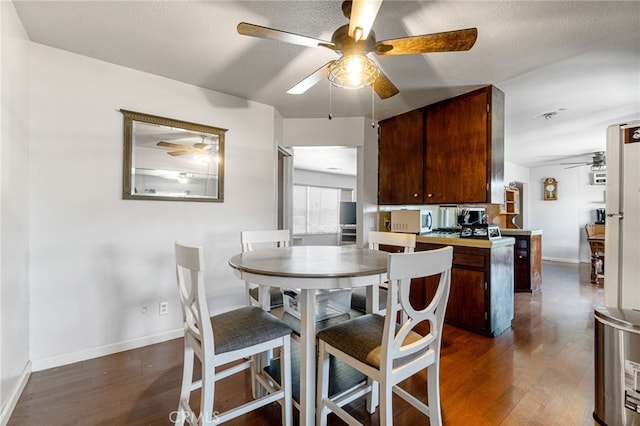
411 221
448 217
472 216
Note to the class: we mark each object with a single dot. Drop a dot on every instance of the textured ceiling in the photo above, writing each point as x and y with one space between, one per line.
579 58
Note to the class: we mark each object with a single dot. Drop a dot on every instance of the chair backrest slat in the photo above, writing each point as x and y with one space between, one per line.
190 278
401 269
407 241
276 238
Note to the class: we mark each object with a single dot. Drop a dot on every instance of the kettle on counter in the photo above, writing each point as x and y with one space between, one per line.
448 217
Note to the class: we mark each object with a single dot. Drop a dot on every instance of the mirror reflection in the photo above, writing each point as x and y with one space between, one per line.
171 159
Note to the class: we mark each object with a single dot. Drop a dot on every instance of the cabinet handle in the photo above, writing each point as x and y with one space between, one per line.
429 195
415 195
520 257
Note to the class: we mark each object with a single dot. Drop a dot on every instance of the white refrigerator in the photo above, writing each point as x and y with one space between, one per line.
622 235
617 324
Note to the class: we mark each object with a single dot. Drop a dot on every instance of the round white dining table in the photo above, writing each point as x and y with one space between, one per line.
311 268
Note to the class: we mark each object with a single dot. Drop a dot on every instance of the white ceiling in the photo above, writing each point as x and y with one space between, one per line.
340 160
580 58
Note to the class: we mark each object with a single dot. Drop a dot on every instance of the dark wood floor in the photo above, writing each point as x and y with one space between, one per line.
540 372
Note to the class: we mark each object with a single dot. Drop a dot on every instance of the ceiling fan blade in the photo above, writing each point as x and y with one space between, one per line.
253 30
311 80
450 41
202 146
172 145
363 13
384 87
577 165
181 152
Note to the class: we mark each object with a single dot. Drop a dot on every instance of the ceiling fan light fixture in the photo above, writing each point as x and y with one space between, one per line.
353 72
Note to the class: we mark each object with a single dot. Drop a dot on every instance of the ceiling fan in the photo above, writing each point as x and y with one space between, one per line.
354 41
598 162
200 148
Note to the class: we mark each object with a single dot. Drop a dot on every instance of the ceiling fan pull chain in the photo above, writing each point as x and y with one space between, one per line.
330 115
373 108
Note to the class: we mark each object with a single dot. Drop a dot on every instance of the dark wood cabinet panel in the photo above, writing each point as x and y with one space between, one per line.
467 299
448 152
418 293
481 296
464 148
521 269
400 159
456 143
527 263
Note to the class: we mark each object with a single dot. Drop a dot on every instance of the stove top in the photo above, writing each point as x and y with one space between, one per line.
453 232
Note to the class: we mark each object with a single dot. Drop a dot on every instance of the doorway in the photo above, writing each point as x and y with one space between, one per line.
318 168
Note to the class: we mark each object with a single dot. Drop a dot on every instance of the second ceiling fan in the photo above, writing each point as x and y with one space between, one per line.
598 162
354 41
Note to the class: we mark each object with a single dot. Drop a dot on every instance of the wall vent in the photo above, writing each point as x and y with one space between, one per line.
598 178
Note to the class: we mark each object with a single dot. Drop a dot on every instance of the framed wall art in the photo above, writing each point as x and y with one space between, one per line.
172 160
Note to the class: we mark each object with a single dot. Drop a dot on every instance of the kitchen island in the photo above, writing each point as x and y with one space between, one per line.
481 297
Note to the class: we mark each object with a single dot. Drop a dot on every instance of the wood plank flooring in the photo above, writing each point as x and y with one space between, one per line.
539 372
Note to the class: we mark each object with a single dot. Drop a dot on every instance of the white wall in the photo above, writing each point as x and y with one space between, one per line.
97 259
14 199
324 132
563 220
351 131
333 180
368 190
515 172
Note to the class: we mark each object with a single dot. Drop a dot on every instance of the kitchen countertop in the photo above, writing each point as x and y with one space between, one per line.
509 231
467 242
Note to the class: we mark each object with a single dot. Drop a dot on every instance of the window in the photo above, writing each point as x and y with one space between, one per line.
315 209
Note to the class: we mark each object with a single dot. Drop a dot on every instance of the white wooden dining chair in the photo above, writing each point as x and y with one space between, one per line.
405 242
263 296
388 352
238 335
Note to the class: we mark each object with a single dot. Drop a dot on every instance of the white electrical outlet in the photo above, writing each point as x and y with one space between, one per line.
163 307
144 310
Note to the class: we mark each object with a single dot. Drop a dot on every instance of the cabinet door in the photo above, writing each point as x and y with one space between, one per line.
521 270
457 150
400 159
466 306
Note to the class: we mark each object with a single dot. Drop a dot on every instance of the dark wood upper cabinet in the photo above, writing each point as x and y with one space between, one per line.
448 152
401 159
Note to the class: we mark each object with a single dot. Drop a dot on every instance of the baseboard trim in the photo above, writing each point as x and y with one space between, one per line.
7 410
70 358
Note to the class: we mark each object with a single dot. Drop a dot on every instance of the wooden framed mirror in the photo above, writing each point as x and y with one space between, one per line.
172 160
